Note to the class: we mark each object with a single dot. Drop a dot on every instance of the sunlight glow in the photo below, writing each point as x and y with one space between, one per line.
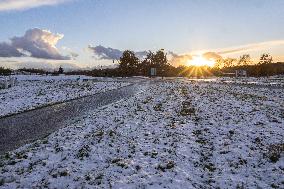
200 61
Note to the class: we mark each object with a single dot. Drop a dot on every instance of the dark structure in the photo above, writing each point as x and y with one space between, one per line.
60 70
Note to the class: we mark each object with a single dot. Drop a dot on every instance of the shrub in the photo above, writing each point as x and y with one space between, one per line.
5 71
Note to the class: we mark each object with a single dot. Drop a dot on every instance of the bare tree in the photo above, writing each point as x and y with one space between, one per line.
244 60
265 59
229 62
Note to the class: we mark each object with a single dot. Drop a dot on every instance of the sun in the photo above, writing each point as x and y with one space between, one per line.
200 61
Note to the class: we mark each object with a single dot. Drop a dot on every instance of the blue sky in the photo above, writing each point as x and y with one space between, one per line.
181 26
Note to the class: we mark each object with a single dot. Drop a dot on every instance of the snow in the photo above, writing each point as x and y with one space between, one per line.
172 134
274 81
34 91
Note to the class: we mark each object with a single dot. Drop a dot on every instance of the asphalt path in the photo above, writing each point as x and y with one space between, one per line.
23 128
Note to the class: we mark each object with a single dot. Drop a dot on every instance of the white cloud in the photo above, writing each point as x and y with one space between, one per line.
179 59
6 50
35 43
105 53
7 5
250 47
216 54
29 62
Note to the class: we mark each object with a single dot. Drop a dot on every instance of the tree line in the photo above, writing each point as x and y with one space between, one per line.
131 65
5 71
264 67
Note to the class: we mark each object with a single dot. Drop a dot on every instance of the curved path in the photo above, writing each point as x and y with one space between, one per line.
26 127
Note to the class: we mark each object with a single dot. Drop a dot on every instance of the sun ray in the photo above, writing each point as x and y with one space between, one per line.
183 71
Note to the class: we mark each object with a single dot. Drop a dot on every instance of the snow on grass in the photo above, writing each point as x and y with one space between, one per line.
273 81
36 91
172 135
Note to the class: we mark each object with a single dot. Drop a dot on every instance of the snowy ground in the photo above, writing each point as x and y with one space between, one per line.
272 81
171 135
36 91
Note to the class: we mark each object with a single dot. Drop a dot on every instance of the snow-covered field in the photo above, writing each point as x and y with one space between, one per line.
272 81
174 134
33 91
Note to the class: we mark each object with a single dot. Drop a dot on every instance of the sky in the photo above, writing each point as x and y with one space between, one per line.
89 33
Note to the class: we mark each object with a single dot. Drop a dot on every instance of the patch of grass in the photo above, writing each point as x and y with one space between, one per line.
12 162
40 93
116 160
83 152
147 100
58 148
210 167
201 141
119 162
139 108
158 107
224 152
20 155
274 185
64 173
186 109
99 178
166 166
137 167
99 133
197 132
31 166
274 152
248 96
88 177
112 133
2 182
154 154
7 156
282 113
231 132
173 125
240 186
184 91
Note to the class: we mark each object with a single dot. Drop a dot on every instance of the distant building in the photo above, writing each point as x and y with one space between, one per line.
228 74
60 70
241 73
153 72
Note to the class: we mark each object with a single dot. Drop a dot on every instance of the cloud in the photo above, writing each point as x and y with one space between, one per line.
183 59
73 54
49 65
35 43
250 47
105 53
6 50
177 60
141 54
216 54
212 55
7 5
